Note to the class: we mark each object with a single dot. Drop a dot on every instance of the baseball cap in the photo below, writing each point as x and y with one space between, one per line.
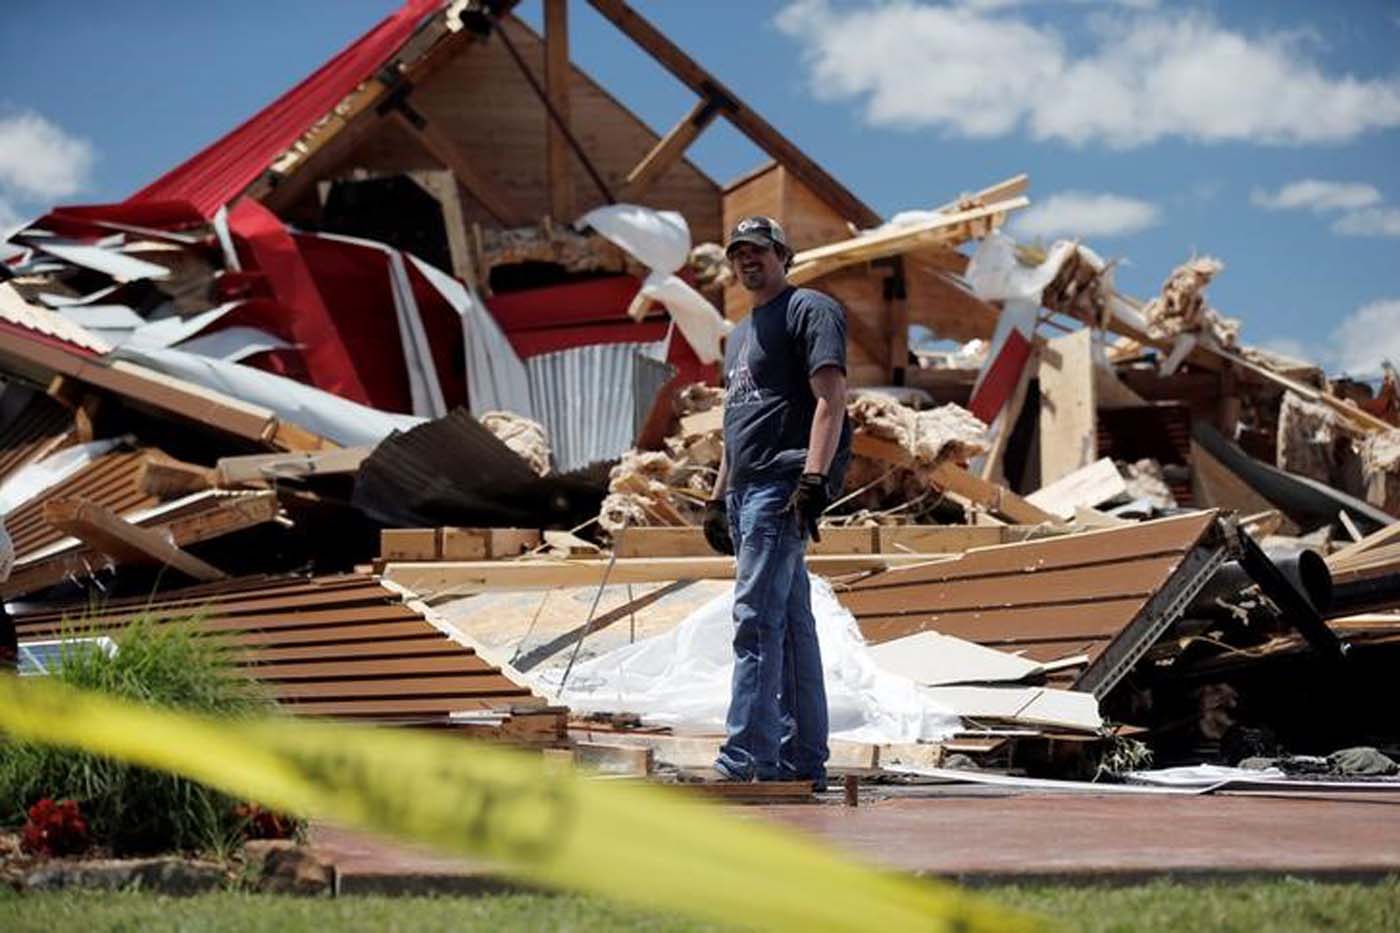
760 231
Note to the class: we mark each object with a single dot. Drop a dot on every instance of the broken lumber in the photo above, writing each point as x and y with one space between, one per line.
257 468
953 478
107 532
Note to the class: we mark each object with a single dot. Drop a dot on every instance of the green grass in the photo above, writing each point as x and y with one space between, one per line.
1256 907
131 809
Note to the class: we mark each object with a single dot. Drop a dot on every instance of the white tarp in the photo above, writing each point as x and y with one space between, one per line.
682 678
660 240
343 421
32 479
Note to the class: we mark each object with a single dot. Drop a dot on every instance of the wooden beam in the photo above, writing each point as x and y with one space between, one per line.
260 468
947 475
674 60
944 229
442 185
107 532
556 81
897 320
496 203
466 577
167 478
669 149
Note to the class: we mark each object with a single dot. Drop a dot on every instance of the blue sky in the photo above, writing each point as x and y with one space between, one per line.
1267 134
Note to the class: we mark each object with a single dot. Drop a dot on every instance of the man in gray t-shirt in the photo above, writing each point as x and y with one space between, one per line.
786 443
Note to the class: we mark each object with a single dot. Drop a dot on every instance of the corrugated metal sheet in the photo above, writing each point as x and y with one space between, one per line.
593 400
1046 599
341 646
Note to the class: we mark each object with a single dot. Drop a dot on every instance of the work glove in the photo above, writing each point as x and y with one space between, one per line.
809 500
717 527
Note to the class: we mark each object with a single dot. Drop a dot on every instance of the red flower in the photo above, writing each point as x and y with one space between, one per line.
55 828
260 823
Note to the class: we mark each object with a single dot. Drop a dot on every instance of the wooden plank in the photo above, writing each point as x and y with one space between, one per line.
418 650
952 539
464 663
257 468
1068 431
167 478
487 194
108 533
465 577
670 56
470 685
669 149
1009 588
1087 486
869 340
556 82
1074 629
689 541
237 625
486 543
409 708
1102 547
945 229
337 636
409 544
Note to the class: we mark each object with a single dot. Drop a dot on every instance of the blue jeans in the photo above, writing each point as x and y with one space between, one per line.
777 723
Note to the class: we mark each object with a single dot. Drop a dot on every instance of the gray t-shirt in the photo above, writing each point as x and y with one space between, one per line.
768 404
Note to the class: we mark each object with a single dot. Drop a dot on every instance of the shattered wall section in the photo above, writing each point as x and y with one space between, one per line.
1380 467
1181 307
1308 435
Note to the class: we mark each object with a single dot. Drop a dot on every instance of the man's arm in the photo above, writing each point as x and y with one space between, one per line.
829 387
722 477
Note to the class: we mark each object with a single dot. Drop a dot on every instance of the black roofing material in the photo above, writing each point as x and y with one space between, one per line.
453 471
1309 503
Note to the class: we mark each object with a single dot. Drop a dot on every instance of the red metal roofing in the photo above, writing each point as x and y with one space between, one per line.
214 176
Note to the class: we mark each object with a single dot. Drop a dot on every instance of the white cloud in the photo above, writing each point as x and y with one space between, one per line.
1367 336
1145 76
39 160
1316 195
1086 213
1373 221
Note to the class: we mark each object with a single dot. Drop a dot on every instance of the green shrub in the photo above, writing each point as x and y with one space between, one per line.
131 809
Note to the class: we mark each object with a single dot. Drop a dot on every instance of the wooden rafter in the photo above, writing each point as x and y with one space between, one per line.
748 122
669 149
556 80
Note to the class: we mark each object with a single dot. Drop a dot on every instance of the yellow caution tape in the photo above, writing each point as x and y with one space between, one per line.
634 842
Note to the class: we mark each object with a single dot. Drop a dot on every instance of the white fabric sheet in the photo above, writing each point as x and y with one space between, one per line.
682 678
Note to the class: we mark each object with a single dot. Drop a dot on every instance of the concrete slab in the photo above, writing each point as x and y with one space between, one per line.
983 839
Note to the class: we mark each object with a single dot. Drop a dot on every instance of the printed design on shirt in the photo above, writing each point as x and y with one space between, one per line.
742 390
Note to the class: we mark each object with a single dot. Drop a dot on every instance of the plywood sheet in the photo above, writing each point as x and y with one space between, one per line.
1068 437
